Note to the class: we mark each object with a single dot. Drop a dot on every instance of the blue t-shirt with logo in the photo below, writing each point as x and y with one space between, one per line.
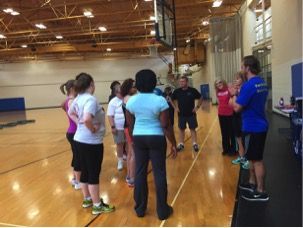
146 107
252 98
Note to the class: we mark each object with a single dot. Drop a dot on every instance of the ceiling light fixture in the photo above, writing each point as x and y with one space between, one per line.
108 49
217 3
102 29
188 40
59 37
88 14
11 11
40 26
258 10
8 10
24 46
152 32
205 22
152 18
15 13
2 36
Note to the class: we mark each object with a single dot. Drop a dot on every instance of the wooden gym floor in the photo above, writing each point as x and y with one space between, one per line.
35 176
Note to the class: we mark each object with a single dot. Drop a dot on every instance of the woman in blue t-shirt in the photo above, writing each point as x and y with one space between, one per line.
148 118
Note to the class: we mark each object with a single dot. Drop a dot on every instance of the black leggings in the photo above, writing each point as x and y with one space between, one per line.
228 137
150 147
76 155
91 157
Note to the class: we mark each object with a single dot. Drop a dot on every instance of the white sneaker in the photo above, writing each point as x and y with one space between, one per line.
73 182
120 165
77 186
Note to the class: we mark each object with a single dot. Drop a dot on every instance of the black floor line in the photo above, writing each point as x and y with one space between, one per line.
90 222
32 162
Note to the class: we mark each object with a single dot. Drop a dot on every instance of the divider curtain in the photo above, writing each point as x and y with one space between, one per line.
226 42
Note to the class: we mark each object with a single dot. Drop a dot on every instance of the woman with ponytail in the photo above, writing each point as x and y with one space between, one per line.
90 116
68 89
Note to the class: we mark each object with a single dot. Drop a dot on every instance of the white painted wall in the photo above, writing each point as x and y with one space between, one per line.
248 20
38 81
286 45
205 74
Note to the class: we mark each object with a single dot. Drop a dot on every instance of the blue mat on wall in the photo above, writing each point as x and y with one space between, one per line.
12 104
296 79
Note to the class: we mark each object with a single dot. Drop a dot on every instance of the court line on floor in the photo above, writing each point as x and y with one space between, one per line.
191 167
32 162
8 224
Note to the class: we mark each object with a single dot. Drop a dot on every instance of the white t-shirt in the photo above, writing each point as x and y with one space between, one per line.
115 109
87 103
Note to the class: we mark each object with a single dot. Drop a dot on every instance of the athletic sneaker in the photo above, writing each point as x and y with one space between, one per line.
196 147
256 196
237 161
180 147
248 187
131 183
120 165
87 203
170 212
73 182
102 208
77 186
245 164
127 179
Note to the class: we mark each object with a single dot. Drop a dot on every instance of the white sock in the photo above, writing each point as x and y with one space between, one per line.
88 198
97 204
120 159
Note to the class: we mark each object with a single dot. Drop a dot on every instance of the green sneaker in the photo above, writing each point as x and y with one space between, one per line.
245 164
237 161
87 203
103 208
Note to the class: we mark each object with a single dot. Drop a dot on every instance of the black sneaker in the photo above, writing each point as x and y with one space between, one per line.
180 147
196 147
256 196
248 187
170 212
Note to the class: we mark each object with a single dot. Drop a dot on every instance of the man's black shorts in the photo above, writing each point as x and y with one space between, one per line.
254 145
190 120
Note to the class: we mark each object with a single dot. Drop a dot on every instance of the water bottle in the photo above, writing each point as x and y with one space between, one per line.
281 102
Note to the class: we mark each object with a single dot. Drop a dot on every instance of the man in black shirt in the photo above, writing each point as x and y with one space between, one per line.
186 110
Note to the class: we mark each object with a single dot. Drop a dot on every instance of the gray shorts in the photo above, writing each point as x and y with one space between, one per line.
119 137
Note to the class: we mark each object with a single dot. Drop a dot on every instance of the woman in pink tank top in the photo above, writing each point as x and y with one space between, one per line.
68 89
225 114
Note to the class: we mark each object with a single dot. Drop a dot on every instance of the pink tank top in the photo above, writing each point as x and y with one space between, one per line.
72 125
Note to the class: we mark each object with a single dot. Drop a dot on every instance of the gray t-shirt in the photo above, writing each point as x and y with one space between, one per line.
87 103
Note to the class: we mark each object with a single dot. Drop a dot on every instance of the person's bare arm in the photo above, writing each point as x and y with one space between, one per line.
198 105
111 121
130 120
175 102
88 122
168 131
62 105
